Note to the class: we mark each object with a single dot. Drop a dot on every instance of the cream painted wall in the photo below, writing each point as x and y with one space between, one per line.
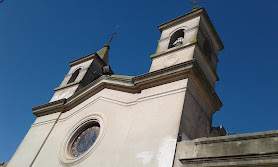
141 128
84 67
33 141
172 58
196 116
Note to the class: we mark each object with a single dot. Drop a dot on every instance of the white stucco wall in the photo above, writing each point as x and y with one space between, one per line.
141 129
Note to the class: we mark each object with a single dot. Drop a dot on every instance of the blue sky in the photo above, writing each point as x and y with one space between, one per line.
39 38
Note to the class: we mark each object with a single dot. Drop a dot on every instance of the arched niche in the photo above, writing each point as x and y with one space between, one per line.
208 48
176 39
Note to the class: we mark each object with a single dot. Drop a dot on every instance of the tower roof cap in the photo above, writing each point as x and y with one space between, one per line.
102 53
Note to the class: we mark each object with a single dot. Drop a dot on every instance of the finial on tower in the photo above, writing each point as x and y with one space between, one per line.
103 53
115 32
196 1
195 8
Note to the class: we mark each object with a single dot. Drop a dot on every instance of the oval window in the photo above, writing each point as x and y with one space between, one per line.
85 140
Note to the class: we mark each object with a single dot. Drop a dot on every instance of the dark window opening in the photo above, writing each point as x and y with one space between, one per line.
207 48
176 39
74 76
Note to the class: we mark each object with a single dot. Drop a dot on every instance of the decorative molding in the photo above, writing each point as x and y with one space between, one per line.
186 30
236 160
164 39
131 85
44 122
181 18
171 60
191 29
177 29
49 108
122 103
221 139
98 84
162 94
82 59
181 67
183 46
67 85
96 100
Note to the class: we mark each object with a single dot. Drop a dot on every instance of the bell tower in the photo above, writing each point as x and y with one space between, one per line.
82 72
190 41
186 38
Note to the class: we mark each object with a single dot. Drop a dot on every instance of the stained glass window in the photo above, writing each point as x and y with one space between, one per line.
84 140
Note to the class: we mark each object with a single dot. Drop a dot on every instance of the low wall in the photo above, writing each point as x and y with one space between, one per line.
254 149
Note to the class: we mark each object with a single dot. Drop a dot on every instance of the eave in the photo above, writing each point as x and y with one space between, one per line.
130 85
82 59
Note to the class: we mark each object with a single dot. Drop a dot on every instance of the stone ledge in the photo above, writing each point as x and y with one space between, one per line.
255 149
173 50
247 136
67 85
258 160
49 108
82 59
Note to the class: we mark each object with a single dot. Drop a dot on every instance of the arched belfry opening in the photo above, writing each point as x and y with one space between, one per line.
207 48
74 76
176 39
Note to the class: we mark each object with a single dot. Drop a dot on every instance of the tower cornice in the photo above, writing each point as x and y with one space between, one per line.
82 59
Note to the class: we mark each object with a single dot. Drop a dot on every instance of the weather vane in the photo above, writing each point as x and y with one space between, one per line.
196 2
115 32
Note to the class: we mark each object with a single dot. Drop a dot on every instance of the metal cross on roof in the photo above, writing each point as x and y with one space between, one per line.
196 1
115 32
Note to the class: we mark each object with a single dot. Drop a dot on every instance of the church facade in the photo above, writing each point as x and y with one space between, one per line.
159 119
